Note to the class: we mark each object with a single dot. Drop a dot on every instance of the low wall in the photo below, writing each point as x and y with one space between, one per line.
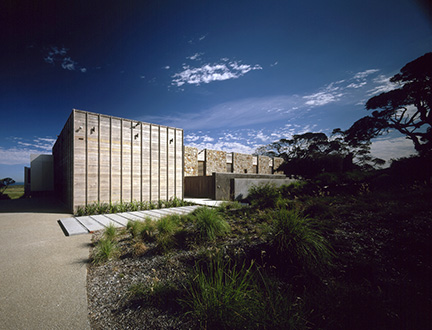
224 183
241 186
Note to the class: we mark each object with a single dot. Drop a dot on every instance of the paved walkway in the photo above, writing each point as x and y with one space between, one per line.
42 272
88 224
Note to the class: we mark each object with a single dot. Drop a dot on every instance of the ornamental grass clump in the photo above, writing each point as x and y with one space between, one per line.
110 232
263 196
209 223
298 238
224 295
105 250
167 227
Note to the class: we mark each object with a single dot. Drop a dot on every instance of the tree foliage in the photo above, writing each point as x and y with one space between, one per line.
4 183
405 109
311 153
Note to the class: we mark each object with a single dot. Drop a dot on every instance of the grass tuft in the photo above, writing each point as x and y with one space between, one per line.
222 295
209 223
298 238
105 250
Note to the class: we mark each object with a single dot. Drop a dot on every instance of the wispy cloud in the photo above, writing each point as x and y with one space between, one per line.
244 112
383 84
20 153
58 55
198 39
329 94
195 57
364 74
212 72
262 110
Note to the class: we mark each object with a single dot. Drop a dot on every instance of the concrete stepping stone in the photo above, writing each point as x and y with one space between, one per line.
86 224
71 226
129 216
90 224
105 221
118 218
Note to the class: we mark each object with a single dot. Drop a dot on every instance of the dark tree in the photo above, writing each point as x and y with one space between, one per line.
4 183
405 109
310 153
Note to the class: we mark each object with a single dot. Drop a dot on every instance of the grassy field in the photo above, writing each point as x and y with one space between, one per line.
15 192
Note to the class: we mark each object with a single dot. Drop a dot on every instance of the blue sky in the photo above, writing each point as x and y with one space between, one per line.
233 74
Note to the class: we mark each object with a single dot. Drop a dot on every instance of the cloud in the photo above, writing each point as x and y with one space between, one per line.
243 140
357 85
389 148
274 64
167 67
364 74
244 112
328 94
58 55
195 57
68 64
211 72
263 110
199 39
383 85
20 153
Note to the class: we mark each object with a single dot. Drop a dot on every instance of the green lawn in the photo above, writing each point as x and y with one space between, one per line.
15 192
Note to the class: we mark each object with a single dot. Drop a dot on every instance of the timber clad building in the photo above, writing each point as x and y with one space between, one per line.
100 158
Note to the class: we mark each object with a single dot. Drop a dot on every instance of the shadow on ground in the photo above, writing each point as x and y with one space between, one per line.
41 204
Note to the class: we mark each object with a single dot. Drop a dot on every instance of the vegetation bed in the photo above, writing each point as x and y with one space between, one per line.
358 260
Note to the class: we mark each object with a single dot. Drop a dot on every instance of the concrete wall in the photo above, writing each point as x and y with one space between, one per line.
224 183
41 168
242 185
108 159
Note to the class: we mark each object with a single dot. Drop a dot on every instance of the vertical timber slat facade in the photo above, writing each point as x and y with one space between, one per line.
105 159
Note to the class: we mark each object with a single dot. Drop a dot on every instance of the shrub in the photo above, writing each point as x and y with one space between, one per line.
296 237
209 223
148 229
263 196
104 250
167 227
230 205
293 190
92 209
221 295
110 232
104 208
135 228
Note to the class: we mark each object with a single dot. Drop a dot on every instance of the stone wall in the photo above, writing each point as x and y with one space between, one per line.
215 161
242 163
265 165
277 162
190 161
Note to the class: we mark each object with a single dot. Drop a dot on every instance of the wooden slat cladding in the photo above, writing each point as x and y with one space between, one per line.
106 159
